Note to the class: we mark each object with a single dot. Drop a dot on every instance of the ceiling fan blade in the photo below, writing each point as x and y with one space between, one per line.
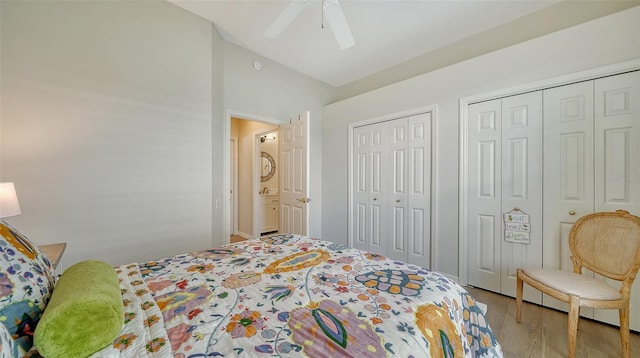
339 26
285 18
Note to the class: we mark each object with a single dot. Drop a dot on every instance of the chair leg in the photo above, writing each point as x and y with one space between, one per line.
624 332
519 285
574 316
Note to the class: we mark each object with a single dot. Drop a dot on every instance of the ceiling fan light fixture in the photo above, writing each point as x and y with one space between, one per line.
285 18
338 22
331 10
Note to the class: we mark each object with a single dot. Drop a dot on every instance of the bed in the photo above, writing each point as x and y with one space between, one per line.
292 296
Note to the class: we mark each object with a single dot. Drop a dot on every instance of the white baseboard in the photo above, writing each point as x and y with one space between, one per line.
246 236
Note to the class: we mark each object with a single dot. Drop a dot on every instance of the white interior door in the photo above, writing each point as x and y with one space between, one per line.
505 175
370 187
360 187
391 186
485 203
592 135
396 200
522 186
294 175
617 143
617 162
569 176
419 190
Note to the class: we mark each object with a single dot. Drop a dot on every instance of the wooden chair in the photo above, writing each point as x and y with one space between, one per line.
607 243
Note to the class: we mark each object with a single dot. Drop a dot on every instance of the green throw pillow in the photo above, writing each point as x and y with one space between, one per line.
85 313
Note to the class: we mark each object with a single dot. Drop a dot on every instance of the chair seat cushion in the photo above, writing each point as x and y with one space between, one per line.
574 284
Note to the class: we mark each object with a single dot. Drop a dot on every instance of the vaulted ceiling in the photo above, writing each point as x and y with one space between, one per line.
390 34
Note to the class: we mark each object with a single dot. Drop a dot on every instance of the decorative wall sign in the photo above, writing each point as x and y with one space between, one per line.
516 227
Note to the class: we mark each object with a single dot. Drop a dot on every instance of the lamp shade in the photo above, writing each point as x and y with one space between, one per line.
9 205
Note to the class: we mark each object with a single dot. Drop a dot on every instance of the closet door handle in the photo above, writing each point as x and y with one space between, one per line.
397 200
572 212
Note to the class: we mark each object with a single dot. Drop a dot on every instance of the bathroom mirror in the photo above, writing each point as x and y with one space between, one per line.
267 166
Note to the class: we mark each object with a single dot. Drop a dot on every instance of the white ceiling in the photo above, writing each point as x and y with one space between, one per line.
387 32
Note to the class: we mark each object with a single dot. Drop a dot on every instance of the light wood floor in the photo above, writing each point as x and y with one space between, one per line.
543 331
236 238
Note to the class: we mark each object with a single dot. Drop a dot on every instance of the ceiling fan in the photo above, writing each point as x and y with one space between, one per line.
332 11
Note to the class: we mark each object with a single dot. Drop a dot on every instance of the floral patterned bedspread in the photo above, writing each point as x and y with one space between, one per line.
291 296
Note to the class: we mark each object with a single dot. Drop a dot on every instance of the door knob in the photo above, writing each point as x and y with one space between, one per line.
572 212
397 200
304 200
374 199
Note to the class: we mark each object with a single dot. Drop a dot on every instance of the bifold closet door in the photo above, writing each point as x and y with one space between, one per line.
617 163
419 167
522 186
569 174
370 187
398 225
409 199
505 175
392 188
485 195
591 164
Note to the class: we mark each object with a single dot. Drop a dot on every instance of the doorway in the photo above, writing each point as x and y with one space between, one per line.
267 210
293 187
246 215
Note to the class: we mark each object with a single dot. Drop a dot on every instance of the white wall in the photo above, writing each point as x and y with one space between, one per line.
113 124
110 114
219 142
604 41
279 93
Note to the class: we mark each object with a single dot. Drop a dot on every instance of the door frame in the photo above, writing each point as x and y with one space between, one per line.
433 109
463 161
233 187
226 188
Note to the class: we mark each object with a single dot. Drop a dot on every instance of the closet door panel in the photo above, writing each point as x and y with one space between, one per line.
617 131
360 186
616 190
522 185
617 161
484 206
397 198
419 190
568 167
397 233
377 228
369 187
